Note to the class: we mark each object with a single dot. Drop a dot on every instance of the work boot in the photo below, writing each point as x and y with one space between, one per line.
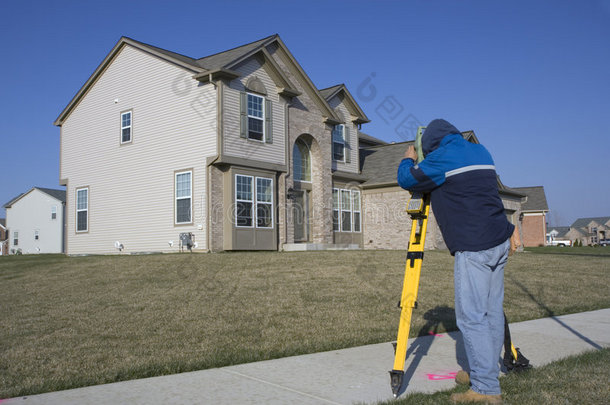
473 396
462 378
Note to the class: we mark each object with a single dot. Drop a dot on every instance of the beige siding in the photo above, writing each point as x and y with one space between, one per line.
353 166
131 186
249 149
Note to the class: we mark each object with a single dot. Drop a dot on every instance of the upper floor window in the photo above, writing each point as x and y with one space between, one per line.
339 143
126 127
301 158
16 238
184 197
36 234
256 117
54 212
82 210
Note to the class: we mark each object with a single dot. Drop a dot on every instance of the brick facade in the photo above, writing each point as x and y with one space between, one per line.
386 225
533 229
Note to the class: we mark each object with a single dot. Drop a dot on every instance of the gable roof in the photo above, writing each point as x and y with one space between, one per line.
536 199
561 230
59 195
584 222
218 64
349 101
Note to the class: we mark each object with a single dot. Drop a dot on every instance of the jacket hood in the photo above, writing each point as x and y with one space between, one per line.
434 134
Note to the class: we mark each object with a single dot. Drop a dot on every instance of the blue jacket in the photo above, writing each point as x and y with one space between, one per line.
461 179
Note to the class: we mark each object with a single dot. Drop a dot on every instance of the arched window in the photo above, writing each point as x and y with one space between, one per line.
301 158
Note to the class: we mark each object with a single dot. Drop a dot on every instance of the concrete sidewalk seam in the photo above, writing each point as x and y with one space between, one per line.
279 386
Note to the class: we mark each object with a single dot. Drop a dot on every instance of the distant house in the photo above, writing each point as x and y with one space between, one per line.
590 230
3 237
557 232
532 216
386 223
35 221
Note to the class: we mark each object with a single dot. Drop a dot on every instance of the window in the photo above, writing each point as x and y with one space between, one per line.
301 158
246 213
243 200
346 211
356 210
339 143
336 226
256 117
36 235
184 197
54 212
126 127
264 202
82 210
16 238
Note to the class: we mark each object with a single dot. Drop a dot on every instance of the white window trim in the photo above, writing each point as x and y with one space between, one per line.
176 198
53 212
254 201
81 210
258 118
342 142
265 203
339 209
251 201
359 211
15 238
130 126
310 165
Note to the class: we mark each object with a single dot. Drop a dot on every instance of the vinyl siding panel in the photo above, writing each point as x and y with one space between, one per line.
353 166
245 148
131 186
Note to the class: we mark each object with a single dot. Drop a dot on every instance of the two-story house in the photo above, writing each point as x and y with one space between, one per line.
589 231
239 149
35 221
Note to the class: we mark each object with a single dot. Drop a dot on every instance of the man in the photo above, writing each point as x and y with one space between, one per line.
461 179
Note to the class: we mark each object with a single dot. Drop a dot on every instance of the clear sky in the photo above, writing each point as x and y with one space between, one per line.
531 78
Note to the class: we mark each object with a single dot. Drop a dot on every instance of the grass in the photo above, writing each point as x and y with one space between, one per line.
71 322
581 379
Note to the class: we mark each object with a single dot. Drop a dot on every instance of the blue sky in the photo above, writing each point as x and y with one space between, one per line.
531 78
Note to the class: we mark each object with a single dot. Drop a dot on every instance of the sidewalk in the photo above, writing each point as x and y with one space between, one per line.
356 375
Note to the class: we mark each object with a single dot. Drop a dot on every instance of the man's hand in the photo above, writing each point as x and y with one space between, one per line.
515 241
411 153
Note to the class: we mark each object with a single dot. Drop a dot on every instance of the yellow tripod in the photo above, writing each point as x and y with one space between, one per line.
419 210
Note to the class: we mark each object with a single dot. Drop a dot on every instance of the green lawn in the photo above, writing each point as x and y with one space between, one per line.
581 379
70 322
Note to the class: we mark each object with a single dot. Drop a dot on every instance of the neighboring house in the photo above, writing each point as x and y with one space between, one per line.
3 237
532 216
238 149
590 230
557 232
35 221
386 224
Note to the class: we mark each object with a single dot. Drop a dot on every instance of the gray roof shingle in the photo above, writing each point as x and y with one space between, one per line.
380 163
584 222
536 199
57 194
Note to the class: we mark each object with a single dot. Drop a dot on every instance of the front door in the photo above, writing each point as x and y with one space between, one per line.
300 212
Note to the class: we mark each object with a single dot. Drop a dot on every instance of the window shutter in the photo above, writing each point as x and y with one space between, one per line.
348 157
268 121
243 111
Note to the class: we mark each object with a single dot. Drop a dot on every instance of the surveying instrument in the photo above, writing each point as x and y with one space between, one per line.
418 209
